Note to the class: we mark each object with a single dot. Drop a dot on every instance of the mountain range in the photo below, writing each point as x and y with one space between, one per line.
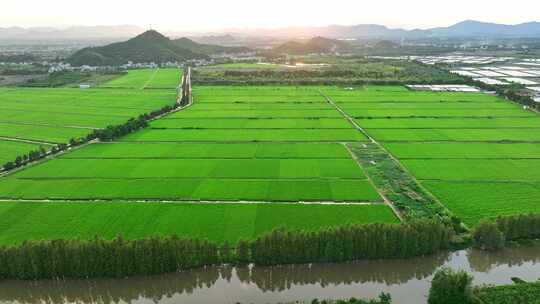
465 29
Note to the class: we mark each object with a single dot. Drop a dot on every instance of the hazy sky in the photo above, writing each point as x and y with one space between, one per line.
212 14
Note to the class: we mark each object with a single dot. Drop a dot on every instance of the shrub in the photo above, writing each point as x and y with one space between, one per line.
450 287
488 236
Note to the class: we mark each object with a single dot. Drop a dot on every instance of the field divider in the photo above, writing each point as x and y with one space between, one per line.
355 158
72 113
438 117
432 141
470 158
258 117
381 193
391 157
168 128
49 155
212 158
335 141
482 181
28 141
47 125
149 79
198 202
253 118
458 128
305 179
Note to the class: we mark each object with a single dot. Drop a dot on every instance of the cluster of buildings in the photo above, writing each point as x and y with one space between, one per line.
61 67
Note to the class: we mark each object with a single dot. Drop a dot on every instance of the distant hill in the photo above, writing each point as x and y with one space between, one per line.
465 29
207 49
314 45
471 28
150 46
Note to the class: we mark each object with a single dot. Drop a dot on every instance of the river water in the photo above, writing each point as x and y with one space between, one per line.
406 280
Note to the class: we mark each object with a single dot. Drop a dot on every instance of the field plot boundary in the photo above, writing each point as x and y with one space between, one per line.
46 125
387 202
321 183
28 141
149 79
49 156
197 202
495 150
391 157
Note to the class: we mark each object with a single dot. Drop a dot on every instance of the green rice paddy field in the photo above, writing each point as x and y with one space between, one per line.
12 148
215 222
51 116
478 154
183 157
189 156
147 79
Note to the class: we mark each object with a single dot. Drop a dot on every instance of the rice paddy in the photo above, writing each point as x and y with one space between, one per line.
48 116
477 153
214 222
147 79
293 153
11 149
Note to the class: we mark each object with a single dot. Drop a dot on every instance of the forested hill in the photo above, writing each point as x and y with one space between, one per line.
150 46
314 45
208 49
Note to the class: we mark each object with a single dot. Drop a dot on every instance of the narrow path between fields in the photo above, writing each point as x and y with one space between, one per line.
359 128
392 157
202 202
46 125
46 158
383 196
149 80
28 141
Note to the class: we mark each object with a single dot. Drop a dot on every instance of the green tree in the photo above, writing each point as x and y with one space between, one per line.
450 287
488 236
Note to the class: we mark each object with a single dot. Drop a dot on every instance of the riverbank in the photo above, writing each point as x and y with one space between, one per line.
407 280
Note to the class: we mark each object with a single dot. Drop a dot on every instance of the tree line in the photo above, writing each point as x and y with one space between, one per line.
348 243
450 287
493 234
121 257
